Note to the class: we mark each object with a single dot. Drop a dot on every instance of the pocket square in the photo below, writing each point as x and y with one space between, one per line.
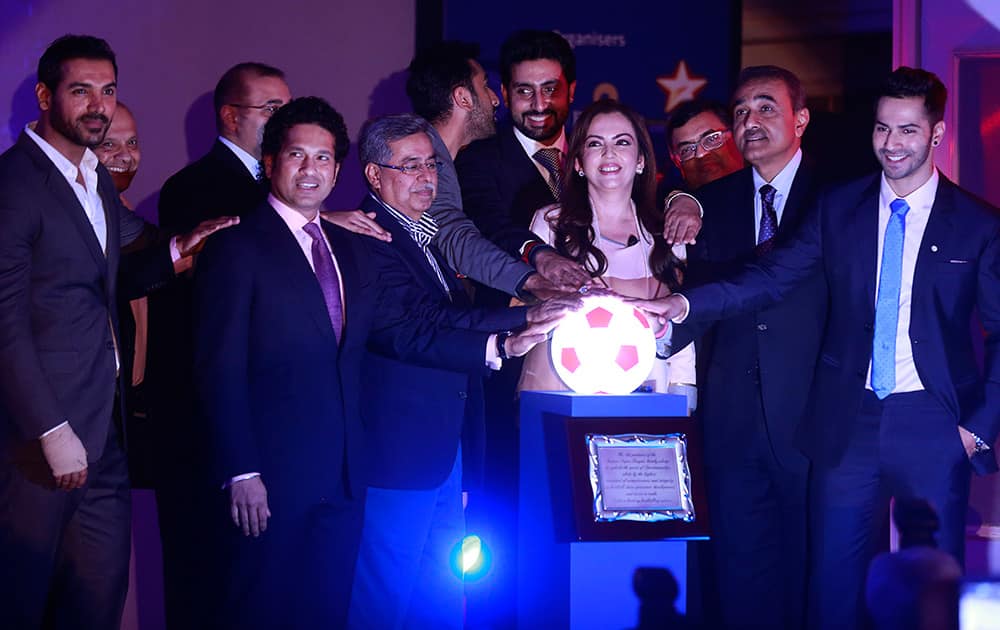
956 261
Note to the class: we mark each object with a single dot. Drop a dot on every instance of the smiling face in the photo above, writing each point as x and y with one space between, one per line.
119 152
610 155
539 98
704 165
904 140
767 127
303 172
77 112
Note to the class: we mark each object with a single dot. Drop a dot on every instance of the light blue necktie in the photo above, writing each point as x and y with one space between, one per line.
887 304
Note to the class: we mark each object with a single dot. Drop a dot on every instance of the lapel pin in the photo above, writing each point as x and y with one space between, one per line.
933 248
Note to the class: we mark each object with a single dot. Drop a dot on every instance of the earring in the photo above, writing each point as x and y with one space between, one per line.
639 169
580 172
936 142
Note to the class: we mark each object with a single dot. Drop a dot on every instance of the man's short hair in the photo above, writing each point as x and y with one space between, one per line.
687 110
232 84
434 73
764 73
376 134
307 110
906 82
50 70
529 45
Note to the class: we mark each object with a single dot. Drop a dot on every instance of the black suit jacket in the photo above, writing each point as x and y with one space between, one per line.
765 357
501 188
957 273
278 393
416 417
58 315
215 185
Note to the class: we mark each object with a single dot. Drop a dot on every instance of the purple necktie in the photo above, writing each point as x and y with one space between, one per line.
326 274
768 220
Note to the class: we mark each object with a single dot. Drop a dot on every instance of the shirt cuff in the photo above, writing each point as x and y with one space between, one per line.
493 360
175 253
687 310
680 193
58 426
242 477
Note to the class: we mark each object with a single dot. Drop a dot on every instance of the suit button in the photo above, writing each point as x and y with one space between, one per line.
463 395
761 327
869 327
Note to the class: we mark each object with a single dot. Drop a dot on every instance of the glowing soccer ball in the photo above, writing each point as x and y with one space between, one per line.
605 347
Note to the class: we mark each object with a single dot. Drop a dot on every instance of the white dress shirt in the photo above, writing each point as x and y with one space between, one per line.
782 184
249 161
531 147
86 193
920 202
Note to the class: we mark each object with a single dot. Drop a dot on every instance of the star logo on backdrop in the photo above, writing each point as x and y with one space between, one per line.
682 86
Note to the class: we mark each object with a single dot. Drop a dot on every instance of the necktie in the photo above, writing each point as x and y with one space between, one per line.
887 303
551 159
768 220
326 274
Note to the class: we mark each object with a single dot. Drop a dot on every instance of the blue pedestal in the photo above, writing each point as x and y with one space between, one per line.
561 582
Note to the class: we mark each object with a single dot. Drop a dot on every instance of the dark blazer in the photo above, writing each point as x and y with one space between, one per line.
277 391
58 315
957 273
501 188
215 185
415 417
767 354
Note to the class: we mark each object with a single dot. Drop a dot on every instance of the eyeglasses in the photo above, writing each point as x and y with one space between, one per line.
711 142
267 109
412 168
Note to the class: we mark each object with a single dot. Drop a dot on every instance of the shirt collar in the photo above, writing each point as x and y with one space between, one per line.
531 147
782 182
421 231
249 161
292 218
922 197
69 170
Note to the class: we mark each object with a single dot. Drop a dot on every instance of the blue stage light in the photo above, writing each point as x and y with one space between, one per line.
470 559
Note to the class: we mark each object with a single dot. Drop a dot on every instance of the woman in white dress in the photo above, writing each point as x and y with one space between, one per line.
610 223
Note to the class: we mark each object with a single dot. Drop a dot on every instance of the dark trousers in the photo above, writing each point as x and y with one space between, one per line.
757 500
64 555
904 446
297 574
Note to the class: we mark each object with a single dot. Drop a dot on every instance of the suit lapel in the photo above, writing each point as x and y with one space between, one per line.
524 170
288 255
797 201
59 188
860 230
939 229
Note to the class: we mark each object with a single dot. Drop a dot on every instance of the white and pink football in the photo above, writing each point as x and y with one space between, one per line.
606 347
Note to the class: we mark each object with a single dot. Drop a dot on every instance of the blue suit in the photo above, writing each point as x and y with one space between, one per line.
957 274
279 396
425 429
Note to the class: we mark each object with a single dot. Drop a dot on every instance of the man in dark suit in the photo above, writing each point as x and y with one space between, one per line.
64 490
225 181
425 439
898 407
286 306
755 369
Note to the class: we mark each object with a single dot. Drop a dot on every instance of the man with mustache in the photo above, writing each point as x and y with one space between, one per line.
408 582
702 146
64 488
287 307
756 369
899 406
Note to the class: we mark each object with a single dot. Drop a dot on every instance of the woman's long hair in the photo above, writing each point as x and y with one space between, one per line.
574 231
